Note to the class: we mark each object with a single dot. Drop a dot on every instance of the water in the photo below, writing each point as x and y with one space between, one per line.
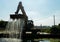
47 40
44 41
14 29
9 40
19 40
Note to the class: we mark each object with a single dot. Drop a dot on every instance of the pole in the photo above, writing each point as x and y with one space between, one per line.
54 19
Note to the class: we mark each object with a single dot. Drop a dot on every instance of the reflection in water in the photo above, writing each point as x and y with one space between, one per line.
9 40
19 40
44 41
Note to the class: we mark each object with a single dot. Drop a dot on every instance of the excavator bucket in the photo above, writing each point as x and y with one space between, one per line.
13 16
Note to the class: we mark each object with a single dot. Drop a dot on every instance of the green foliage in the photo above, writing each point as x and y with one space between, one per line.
47 30
55 29
3 24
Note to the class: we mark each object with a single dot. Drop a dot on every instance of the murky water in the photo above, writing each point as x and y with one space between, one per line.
47 40
9 40
19 40
44 41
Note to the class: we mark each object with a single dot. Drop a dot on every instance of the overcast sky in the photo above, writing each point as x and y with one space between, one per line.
40 11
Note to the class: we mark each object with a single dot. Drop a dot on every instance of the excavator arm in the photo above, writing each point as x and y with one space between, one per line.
22 9
23 12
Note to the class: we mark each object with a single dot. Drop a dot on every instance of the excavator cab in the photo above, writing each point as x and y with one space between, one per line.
30 24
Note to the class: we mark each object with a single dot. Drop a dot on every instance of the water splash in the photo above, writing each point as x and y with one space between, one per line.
14 28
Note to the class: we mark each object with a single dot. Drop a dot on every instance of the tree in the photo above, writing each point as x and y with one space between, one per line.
3 24
55 29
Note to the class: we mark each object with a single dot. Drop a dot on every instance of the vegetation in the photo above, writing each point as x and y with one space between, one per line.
47 30
3 24
55 29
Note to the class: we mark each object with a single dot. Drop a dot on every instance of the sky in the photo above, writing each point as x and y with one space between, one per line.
40 11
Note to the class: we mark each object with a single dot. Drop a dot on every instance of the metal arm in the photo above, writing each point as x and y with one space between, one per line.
23 11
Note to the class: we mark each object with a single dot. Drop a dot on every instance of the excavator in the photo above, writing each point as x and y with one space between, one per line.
28 23
22 10
23 15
